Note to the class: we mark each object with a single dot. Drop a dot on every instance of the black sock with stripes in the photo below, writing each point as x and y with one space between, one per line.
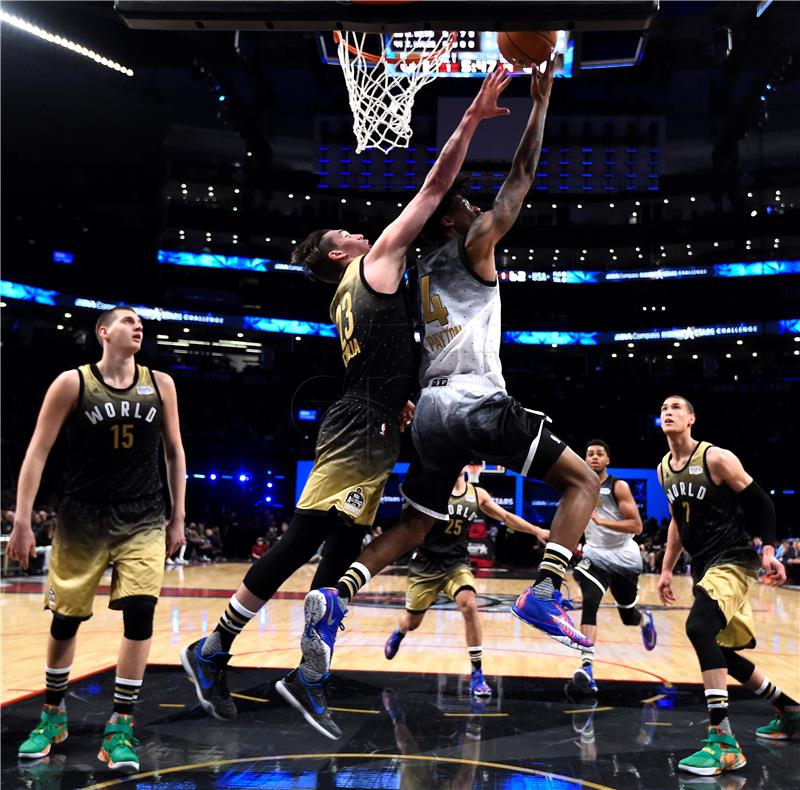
55 681
126 692
717 704
552 570
356 576
770 692
230 625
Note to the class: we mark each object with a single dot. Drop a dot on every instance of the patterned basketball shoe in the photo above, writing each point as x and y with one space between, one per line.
720 752
324 612
548 615
52 728
649 635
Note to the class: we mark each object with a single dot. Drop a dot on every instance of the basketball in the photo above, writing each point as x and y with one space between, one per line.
527 48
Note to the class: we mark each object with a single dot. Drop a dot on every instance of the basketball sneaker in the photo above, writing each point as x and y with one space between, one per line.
649 635
210 677
324 612
52 728
478 685
309 700
393 644
119 746
720 752
785 726
548 615
583 680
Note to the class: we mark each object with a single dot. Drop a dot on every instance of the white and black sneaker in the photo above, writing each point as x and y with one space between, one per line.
309 700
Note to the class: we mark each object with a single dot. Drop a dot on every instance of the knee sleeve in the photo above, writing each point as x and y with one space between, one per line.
592 595
63 628
137 617
739 668
631 615
705 621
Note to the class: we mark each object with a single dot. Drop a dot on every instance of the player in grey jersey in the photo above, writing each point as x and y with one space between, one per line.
611 560
464 411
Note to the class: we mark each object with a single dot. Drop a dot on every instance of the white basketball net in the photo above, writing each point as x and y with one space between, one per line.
382 102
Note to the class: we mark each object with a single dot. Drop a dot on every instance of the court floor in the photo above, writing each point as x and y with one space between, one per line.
408 723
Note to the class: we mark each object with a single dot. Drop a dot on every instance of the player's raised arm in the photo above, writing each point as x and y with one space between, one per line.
487 230
385 263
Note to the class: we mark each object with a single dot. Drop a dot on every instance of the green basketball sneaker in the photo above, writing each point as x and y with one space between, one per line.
118 748
720 752
785 726
52 728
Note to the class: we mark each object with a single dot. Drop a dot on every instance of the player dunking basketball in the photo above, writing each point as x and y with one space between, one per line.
716 506
359 438
611 559
441 564
115 414
464 411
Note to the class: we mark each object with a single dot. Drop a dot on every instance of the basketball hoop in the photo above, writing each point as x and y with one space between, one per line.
474 472
382 101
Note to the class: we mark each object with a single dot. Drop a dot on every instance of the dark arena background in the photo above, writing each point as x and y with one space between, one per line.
169 155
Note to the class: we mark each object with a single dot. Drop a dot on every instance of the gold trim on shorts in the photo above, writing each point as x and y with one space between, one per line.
422 591
730 585
77 566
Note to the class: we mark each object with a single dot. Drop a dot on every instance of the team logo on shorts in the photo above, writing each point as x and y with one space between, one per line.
585 564
51 598
354 502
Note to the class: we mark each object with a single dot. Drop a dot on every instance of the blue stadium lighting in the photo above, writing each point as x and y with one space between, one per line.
788 492
212 476
243 478
199 477
64 258
288 327
221 97
269 485
268 499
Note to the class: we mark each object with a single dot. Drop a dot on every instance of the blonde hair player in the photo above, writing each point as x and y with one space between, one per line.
716 506
116 414
441 564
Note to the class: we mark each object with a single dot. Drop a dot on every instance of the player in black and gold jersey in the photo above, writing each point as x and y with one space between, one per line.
116 414
441 564
716 507
359 438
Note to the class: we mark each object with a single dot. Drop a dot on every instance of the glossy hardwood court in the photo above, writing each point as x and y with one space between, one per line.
194 597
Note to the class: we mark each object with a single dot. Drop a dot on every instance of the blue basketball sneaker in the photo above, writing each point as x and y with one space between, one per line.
548 615
649 635
478 686
209 675
393 644
324 612
583 680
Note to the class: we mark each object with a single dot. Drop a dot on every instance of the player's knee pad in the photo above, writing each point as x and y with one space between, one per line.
592 595
739 667
137 617
631 615
63 628
705 621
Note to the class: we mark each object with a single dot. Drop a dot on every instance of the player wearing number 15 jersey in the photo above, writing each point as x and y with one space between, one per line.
115 414
441 564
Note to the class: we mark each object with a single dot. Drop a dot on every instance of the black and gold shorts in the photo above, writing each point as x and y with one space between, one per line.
357 448
128 536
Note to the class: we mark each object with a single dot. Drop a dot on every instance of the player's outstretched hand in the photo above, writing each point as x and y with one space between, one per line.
485 103
775 572
665 588
542 81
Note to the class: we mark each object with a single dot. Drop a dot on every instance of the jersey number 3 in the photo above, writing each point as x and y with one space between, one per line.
432 307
